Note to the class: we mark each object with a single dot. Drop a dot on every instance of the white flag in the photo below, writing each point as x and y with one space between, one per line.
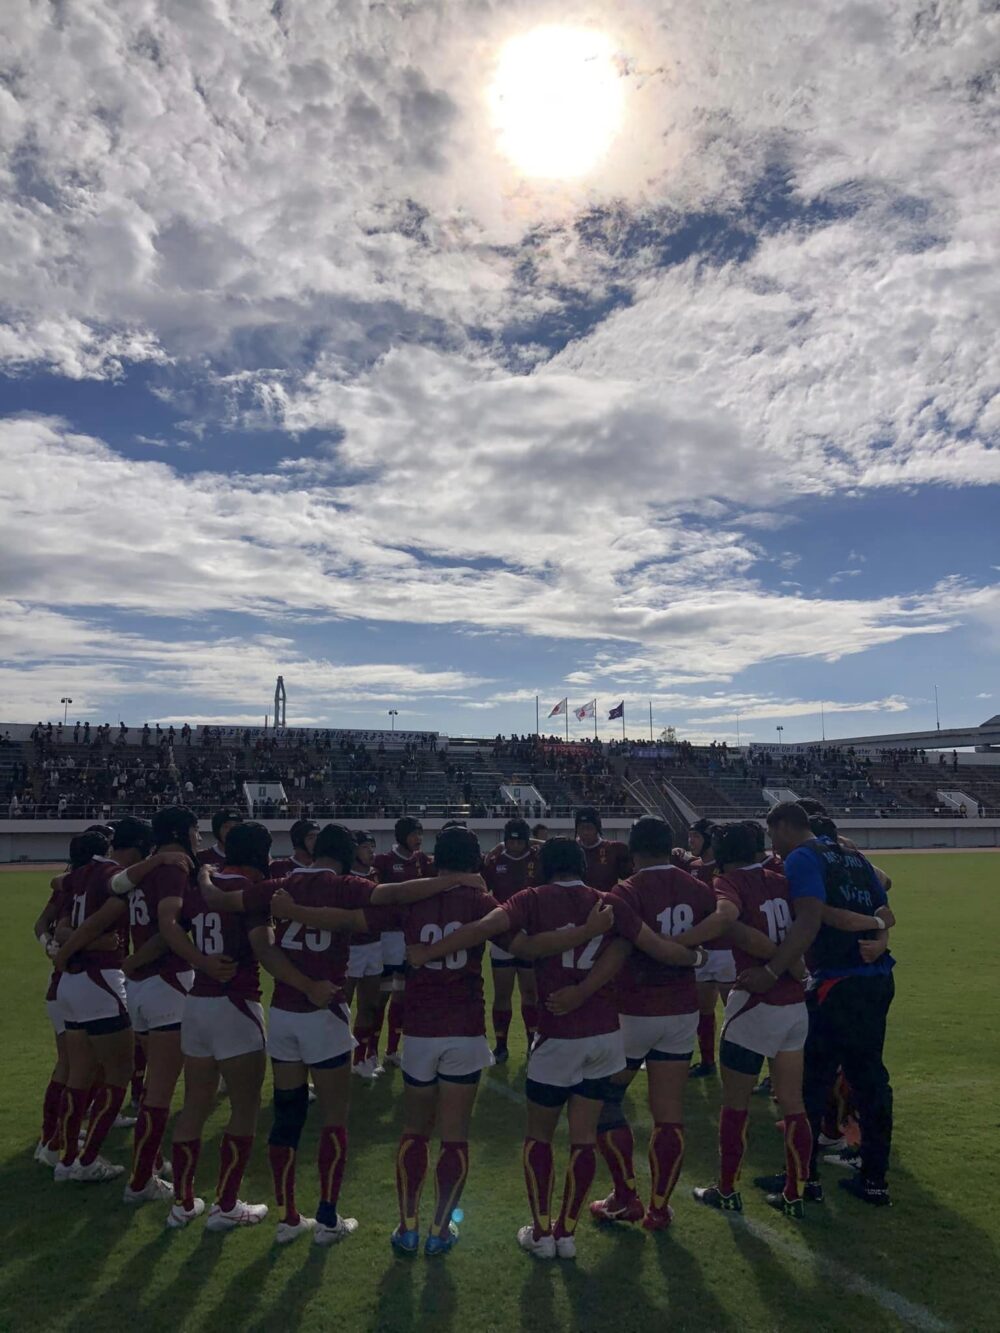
588 710
561 707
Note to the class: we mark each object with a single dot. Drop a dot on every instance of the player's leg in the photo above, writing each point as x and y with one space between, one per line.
397 1005
821 1060
113 1047
244 1077
291 1106
332 1079
49 1143
616 1144
865 1006
412 1155
81 1066
366 1019
528 987
384 991
544 1108
582 1114
164 1062
786 1080
138 1079
667 1076
503 999
740 1069
201 1083
456 1098
708 996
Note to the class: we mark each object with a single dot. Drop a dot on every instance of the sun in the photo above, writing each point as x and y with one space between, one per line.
557 101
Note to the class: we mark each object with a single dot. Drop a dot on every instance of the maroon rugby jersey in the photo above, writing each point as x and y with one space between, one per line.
211 856
774 863
762 898
59 903
225 933
143 909
282 866
318 954
445 998
84 892
706 871
607 863
396 868
669 902
558 907
506 875
385 913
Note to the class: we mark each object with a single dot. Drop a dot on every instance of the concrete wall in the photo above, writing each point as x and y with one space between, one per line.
47 840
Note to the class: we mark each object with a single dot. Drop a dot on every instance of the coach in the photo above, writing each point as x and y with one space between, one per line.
851 989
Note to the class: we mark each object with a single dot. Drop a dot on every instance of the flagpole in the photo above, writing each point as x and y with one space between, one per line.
595 719
567 716
650 721
623 720
537 725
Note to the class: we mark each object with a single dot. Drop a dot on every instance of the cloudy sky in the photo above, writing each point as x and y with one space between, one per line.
438 355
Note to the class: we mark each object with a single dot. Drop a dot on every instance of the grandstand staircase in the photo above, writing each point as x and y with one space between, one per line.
653 802
958 800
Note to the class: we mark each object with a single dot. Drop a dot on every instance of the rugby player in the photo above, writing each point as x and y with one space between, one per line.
364 970
510 867
303 835
772 1025
562 925
222 822
719 971
405 862
658 1005
445 1048
92 989
222 1031
606 861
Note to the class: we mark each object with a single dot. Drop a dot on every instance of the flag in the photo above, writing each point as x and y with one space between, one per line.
561 707
619 711
588 710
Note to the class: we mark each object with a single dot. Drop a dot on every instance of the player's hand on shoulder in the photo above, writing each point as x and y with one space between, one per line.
281 904
417 954
321 993
564 1001
600 918
798 969
180 859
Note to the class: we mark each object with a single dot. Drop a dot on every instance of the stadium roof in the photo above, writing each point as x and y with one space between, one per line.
950 738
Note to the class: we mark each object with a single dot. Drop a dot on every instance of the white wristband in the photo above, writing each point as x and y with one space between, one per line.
121 884
770 971
881 923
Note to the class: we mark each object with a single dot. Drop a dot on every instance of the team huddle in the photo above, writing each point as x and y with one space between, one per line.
619 952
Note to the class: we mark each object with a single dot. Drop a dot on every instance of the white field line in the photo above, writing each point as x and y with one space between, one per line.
907 1312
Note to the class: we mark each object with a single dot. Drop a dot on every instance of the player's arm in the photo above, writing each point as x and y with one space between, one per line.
132 876
667 950
155 947
853 922
416 890
281 967
873 949
600 919
95 926
469 936
604 970
223 900
807 911
285 908
217 966
712 927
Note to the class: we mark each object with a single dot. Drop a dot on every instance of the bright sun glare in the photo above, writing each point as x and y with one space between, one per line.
557 101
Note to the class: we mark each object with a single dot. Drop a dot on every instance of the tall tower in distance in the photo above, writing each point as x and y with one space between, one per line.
279 702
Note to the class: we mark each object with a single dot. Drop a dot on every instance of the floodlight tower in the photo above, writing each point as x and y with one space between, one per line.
279 702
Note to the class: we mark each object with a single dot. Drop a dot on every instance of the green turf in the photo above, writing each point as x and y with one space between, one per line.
75 1258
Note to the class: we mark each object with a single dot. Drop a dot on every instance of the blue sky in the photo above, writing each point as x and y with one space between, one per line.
300 372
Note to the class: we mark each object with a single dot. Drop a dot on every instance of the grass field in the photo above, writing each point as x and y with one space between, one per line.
75 1258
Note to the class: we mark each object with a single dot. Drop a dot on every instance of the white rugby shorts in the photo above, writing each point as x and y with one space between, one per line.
505 959
670 1034
563 1062
87 1000
215 1027
426 1059
310 1039
57 1016
719 966
155 1003
365 960
393 948
764 1028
